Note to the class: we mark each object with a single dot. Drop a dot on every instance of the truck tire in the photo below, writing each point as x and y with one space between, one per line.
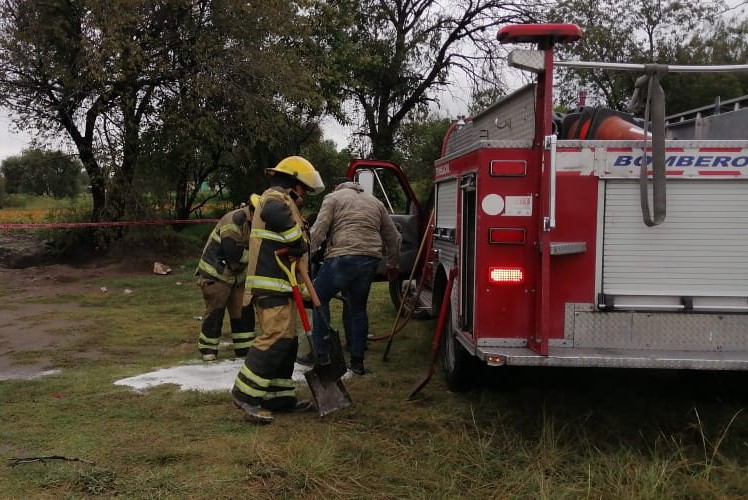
458 365
397 289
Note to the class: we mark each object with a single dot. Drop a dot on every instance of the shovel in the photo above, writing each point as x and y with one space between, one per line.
327 389
336 368
440 325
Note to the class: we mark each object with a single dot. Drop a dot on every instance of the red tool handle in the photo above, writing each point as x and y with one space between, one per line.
294 287
302 311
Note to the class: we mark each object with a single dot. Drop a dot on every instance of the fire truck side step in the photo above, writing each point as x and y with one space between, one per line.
425 301
568 247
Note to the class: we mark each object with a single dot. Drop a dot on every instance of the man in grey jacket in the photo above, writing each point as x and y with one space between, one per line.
356 227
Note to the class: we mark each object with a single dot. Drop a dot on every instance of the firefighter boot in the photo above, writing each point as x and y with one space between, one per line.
253 413
305 359
303 405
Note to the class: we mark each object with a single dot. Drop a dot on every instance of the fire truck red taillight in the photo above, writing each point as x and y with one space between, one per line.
506 275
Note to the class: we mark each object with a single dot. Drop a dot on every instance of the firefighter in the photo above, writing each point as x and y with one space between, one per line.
264 383
222 272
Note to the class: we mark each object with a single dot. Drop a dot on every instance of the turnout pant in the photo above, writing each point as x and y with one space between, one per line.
220 297
266 377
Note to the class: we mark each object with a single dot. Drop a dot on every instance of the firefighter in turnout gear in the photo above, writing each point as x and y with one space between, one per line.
222 273
264 383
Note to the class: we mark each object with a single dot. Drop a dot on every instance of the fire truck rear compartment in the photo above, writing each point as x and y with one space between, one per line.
668 296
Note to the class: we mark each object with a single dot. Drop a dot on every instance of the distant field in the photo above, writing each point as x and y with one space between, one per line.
23 216
35 210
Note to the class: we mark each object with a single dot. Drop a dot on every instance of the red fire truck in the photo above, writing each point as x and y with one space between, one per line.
550 245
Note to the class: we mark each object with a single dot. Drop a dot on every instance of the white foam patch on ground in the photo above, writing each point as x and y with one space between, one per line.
199 376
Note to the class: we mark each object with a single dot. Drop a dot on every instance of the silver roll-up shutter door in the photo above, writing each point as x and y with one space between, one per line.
700 250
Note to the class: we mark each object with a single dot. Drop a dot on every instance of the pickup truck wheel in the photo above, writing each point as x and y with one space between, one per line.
456 362
398 288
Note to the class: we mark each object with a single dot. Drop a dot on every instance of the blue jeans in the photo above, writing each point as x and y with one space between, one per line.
352 275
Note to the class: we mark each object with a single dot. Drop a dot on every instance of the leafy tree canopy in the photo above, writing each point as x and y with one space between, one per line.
202 82
390 58
642 31
42 173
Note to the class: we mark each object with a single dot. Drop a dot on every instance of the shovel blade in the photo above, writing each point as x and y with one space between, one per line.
329 395
336 368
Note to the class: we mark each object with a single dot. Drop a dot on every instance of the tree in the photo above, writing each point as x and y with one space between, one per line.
393 57
330 163
202 79
725 43
419 145
643 31
237 110
42 173
13 174
91 70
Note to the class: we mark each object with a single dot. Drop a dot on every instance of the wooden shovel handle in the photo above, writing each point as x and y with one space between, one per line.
301 266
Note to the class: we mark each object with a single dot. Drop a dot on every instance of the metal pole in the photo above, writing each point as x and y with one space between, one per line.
641 67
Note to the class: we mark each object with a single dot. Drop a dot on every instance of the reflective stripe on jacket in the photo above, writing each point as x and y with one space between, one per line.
277 224
226 253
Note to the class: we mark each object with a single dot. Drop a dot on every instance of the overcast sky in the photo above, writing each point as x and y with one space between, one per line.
10 143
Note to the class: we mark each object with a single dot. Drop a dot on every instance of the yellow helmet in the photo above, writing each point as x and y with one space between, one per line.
302 170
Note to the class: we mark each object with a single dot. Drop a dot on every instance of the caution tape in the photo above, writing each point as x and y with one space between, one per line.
57 225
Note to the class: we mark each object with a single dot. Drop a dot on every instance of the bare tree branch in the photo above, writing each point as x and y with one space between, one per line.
13 462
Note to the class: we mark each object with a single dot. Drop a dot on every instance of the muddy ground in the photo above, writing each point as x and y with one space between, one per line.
26 325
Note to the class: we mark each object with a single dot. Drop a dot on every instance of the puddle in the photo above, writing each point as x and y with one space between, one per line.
29 373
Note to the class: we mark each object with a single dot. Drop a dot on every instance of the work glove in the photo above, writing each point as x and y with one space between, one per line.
297 251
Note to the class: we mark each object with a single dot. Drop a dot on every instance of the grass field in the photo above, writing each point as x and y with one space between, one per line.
521 433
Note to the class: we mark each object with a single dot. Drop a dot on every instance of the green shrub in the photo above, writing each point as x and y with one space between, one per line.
15 201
